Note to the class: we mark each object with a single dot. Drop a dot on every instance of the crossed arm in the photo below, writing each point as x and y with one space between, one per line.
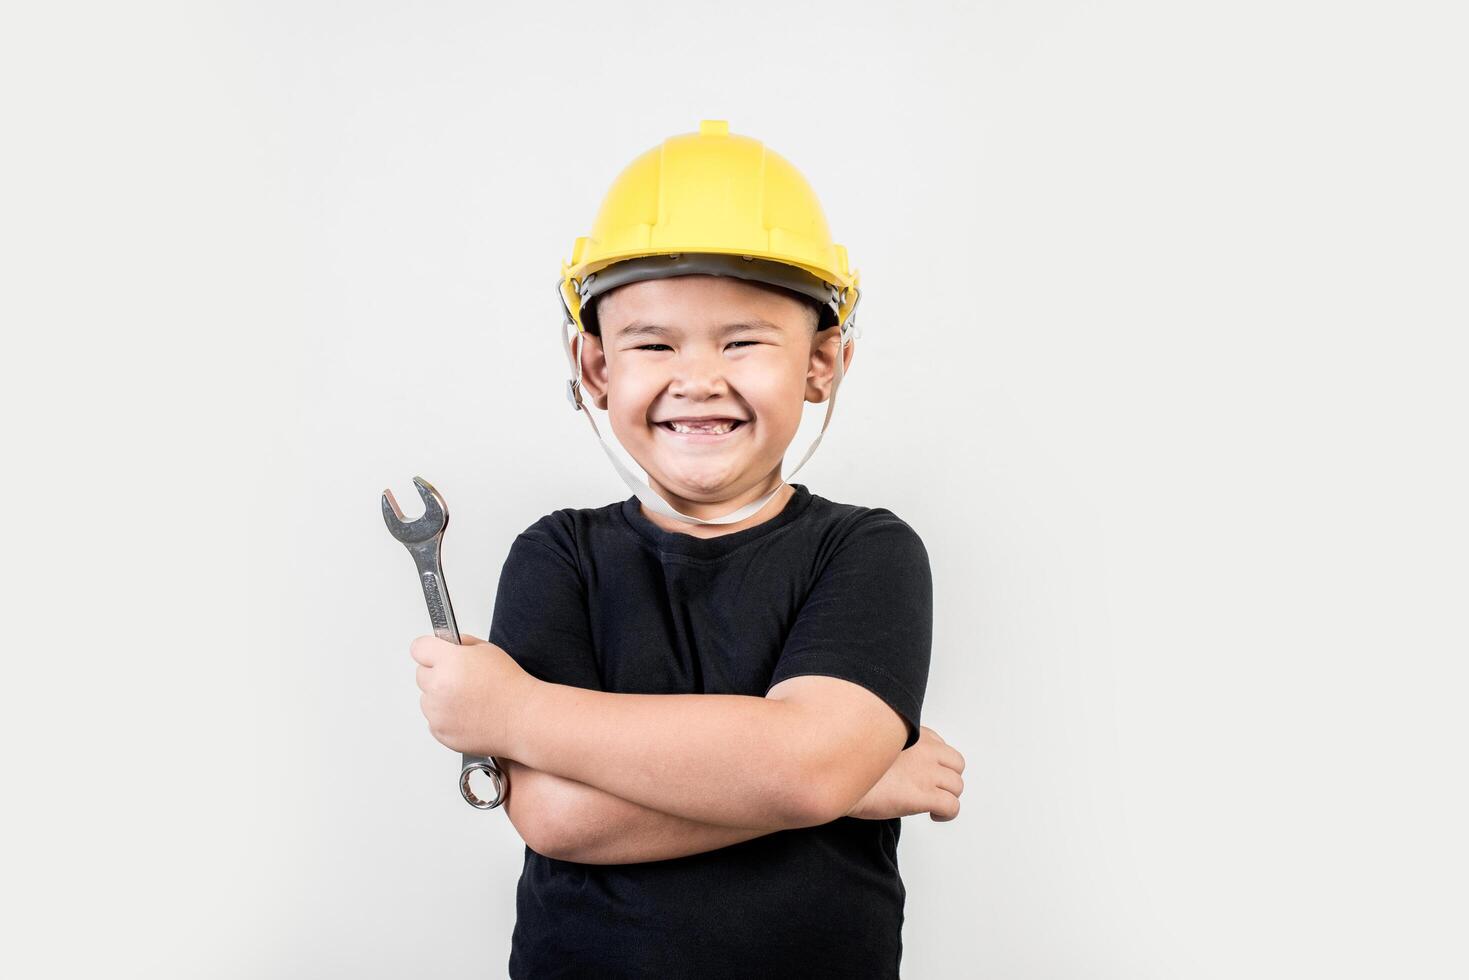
571 821
605 778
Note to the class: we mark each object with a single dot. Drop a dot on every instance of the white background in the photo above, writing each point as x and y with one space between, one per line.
1163 356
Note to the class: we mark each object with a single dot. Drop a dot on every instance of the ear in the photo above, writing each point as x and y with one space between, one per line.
594 370
822 371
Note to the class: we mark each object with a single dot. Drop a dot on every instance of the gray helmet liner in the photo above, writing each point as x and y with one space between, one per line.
763 271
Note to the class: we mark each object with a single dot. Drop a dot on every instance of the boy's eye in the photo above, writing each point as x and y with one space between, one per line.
735 343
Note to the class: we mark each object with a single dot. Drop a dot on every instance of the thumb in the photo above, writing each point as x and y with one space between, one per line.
468 640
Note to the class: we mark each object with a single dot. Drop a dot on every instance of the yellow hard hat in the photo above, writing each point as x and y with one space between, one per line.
715 204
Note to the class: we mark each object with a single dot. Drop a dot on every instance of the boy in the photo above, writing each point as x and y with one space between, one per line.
706 697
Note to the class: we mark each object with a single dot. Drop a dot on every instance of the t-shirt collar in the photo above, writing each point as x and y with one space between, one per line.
686 544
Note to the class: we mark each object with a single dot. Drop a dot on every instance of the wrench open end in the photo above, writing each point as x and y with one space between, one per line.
421 528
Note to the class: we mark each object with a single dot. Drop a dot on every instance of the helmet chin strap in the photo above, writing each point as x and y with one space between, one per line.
645 493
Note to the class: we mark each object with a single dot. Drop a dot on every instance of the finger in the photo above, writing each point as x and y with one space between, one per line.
422 675
936 736
949 780
422 650
951 758
944 808
469 641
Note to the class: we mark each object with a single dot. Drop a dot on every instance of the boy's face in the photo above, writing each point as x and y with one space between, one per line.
709 353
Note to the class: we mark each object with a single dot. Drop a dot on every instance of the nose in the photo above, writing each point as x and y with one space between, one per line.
698 376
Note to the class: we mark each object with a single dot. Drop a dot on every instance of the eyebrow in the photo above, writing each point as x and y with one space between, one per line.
641 329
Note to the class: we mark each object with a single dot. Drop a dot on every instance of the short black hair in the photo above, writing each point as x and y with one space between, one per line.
821 316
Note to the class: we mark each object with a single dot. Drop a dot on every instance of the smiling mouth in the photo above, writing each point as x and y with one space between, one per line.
709 428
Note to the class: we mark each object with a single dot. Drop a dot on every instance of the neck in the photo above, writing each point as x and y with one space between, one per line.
707 509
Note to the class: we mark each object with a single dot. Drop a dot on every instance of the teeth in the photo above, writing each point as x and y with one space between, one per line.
705 428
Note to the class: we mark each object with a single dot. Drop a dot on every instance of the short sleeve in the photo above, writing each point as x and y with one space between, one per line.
869 617
540 616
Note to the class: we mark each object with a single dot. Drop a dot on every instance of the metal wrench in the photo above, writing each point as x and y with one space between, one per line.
423 537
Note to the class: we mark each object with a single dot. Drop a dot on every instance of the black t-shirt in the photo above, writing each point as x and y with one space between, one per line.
604 599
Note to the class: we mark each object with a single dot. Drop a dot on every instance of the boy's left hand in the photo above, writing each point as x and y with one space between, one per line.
471 692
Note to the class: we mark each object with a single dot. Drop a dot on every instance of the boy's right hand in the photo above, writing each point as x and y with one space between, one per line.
924 779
